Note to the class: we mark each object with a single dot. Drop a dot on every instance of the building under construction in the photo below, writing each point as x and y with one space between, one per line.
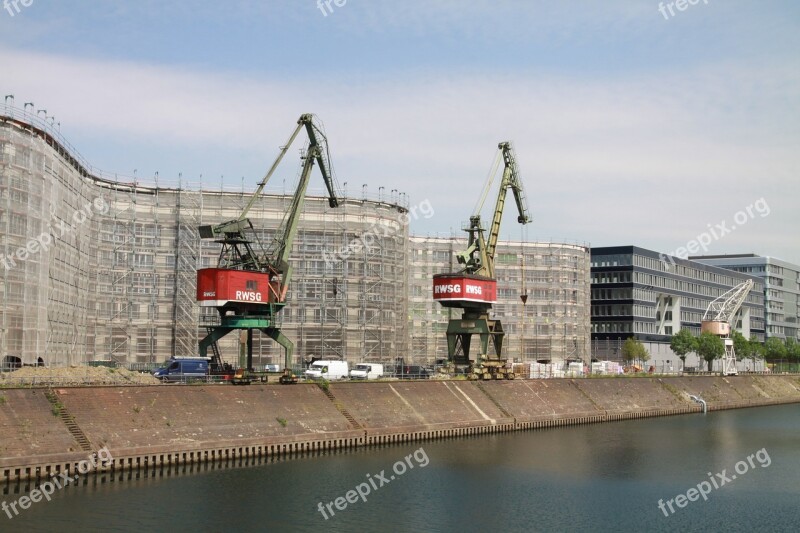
97 269
94 267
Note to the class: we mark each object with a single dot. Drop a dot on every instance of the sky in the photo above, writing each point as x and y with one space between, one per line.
633 122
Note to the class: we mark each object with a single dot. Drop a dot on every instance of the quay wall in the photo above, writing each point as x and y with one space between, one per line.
48 431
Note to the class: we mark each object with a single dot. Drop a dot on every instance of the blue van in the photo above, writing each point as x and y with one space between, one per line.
182 370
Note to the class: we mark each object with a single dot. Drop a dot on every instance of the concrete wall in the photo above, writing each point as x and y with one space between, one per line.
47 431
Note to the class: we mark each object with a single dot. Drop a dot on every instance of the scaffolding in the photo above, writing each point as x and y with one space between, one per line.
121 285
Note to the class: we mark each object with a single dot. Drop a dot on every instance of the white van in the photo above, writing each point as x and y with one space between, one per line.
329 370
367 371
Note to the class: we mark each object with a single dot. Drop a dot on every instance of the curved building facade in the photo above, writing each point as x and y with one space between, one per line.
95 269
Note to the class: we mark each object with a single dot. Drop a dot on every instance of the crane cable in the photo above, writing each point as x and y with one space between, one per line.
489 182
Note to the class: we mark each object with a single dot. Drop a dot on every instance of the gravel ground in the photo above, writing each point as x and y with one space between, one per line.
75 375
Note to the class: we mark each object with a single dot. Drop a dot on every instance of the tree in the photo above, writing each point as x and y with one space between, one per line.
633 350
644 355
756 349
792 349
683 343
775 349
740 345
629 350
710 347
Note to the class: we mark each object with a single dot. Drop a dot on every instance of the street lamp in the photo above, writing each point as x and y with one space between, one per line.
25 106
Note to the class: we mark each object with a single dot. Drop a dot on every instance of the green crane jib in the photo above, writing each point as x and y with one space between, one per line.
242 251
478 258
278 253
237 249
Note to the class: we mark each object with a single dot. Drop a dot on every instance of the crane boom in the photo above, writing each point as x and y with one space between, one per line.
511 181
237 226
271 171
278 258
725 306
478 258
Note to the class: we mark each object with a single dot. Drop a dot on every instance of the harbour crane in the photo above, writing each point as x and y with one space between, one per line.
249 284
473 289
718 320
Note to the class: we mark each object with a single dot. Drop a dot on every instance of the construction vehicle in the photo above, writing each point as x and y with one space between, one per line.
718 320
249 285
473 289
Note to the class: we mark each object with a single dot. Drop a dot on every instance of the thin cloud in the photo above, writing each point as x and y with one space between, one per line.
647 158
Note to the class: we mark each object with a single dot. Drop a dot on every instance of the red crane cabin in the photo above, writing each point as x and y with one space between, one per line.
449 289
217 287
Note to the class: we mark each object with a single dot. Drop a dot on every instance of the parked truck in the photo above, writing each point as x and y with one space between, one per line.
367 371
330 370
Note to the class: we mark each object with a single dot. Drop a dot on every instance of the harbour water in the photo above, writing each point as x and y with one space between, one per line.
725 471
